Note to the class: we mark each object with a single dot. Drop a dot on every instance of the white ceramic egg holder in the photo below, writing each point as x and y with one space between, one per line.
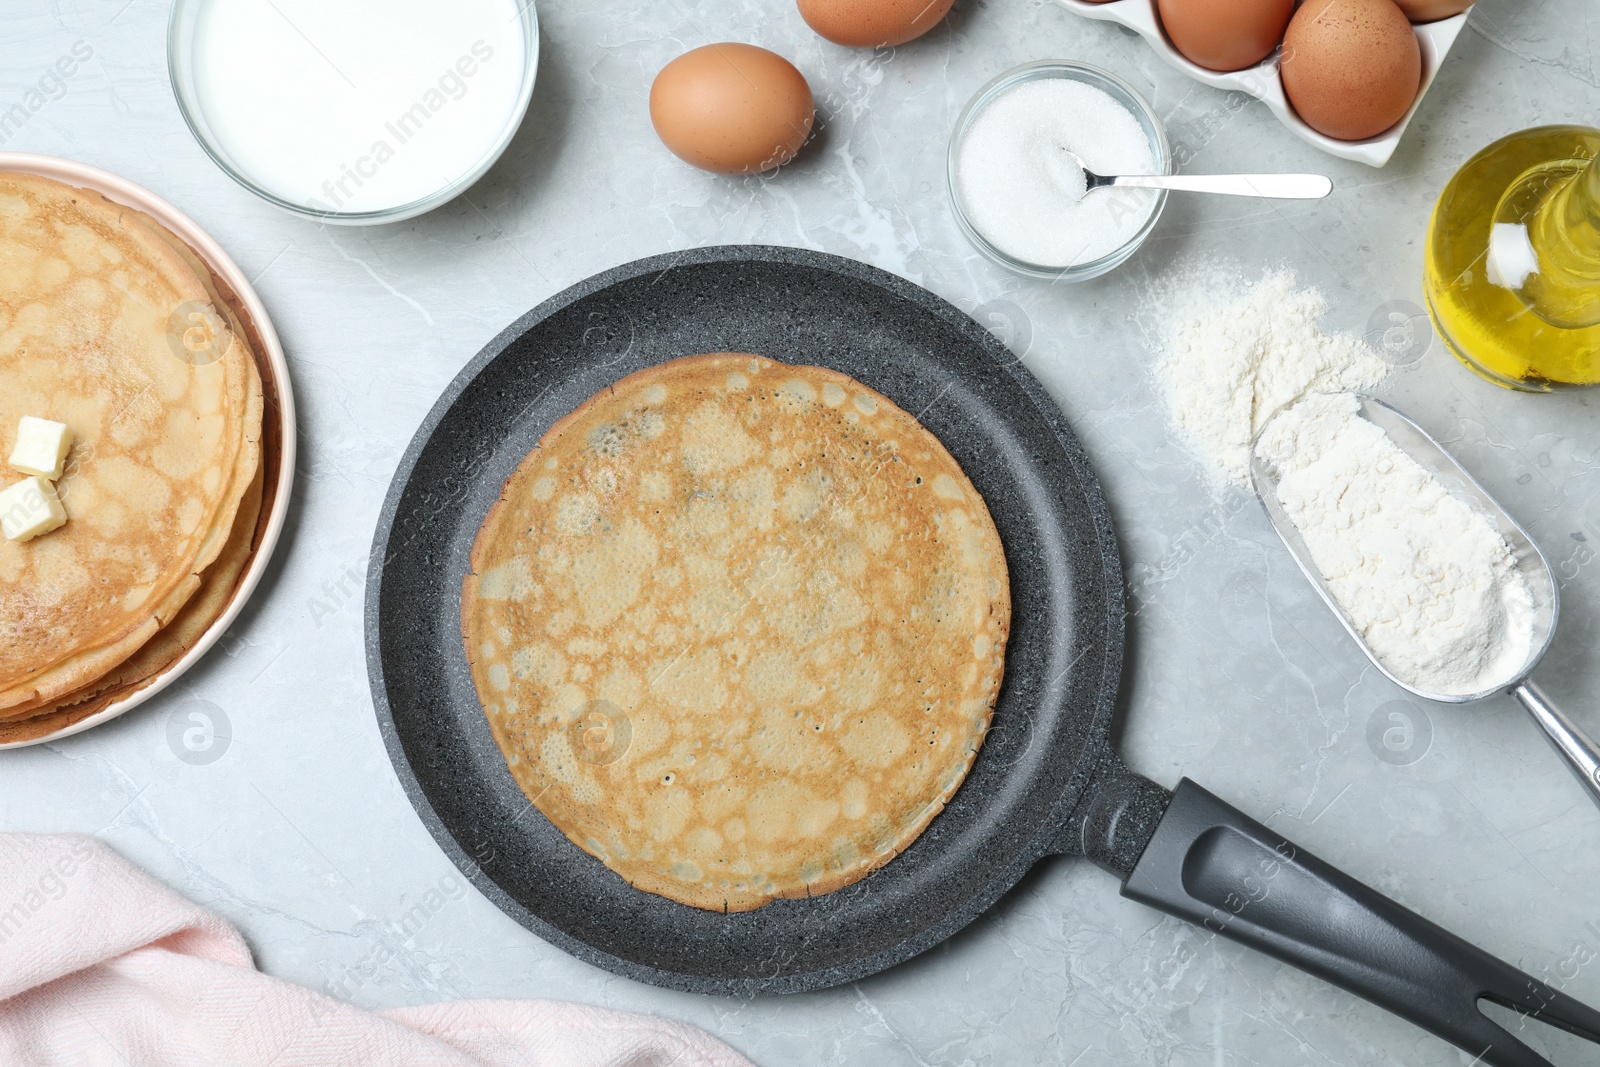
1262 82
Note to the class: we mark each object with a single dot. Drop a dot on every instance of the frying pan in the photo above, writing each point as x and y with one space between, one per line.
1047 780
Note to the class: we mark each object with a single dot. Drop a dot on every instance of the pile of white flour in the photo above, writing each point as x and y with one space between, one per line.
1425 577
1232 361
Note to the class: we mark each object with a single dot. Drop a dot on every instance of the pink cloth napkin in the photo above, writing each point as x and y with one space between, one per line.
99 963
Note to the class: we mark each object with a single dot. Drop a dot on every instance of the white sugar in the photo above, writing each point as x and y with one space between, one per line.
1023 192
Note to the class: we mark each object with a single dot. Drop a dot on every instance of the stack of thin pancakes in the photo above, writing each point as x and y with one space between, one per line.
112 325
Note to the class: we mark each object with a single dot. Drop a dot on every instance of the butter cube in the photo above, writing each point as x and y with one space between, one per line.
42 447
30 508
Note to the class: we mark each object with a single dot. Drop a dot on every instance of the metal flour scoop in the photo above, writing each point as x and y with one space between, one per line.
1580 752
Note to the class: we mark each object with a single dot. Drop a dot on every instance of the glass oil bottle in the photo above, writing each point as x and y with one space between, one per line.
1513 260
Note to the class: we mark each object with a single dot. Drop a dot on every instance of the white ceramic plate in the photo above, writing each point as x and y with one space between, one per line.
278 417
1262 82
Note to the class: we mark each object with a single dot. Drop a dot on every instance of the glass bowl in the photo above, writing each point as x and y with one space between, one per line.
1118 90
181 56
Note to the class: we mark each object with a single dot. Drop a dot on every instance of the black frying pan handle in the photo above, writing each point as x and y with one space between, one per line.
1213 865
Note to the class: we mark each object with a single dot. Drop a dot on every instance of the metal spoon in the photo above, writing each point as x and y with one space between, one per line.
1581 753
1273 186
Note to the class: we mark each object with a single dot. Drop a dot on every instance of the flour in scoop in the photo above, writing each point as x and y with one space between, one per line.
1023 193
1422 575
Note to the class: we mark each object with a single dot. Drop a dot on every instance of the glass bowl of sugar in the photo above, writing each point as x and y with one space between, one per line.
354 112
1020 198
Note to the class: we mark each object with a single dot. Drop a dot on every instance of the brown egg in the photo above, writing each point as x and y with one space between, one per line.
1432 10
1225 34
1351 68
732 108
873 23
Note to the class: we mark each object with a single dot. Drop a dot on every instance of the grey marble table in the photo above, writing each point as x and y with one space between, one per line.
299 833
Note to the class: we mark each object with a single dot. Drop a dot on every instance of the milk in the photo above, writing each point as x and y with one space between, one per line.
358 105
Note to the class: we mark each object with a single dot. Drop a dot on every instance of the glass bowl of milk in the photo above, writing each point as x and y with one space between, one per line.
353 111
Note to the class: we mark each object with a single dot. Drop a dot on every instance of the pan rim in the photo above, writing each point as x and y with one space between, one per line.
1055 835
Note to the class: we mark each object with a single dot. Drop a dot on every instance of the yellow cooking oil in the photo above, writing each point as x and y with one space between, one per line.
1513 260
